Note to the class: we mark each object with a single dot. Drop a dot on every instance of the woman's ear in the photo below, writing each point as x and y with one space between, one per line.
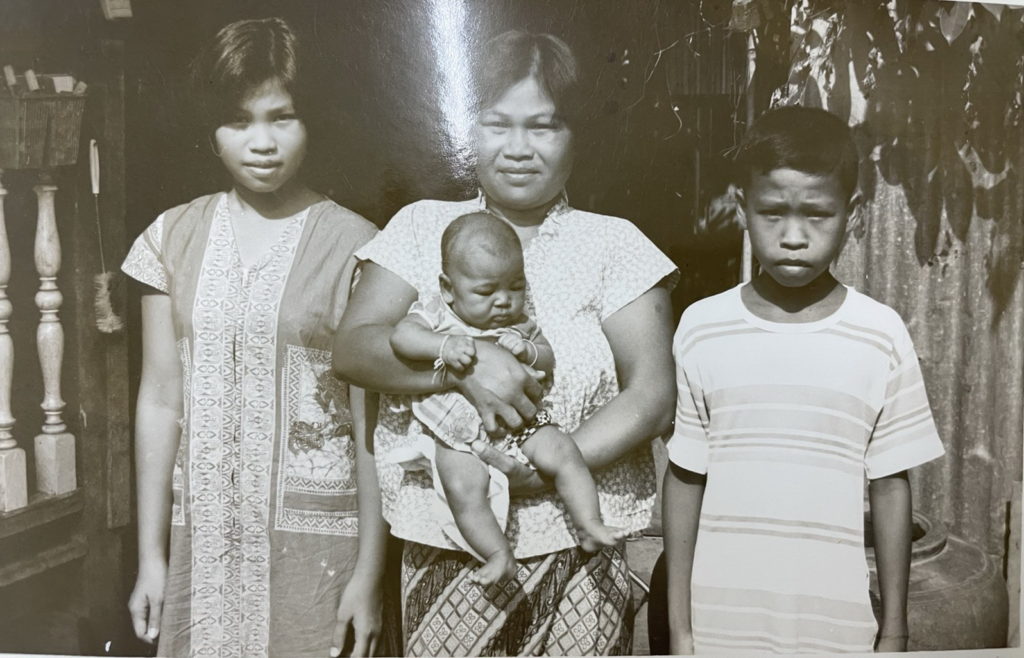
446 288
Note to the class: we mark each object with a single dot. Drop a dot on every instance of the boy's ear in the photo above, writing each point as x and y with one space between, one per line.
446 288
741 206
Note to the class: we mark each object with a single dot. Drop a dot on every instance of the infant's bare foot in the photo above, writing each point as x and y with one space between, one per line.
595 535
499 566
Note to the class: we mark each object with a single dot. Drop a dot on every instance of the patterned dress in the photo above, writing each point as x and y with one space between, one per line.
581 268
786 420
263 523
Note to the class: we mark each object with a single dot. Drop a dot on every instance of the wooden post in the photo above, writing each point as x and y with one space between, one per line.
13 483
55 448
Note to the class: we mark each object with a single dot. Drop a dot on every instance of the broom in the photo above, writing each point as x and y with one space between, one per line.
106 320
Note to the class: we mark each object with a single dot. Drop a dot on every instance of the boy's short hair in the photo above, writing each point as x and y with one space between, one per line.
806 139
492 234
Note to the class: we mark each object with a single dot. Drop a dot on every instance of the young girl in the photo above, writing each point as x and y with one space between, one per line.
249 452
482 296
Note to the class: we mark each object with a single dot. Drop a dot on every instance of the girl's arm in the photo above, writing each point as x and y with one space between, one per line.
497 385
640 336
360 605
682 495
157 433
890 500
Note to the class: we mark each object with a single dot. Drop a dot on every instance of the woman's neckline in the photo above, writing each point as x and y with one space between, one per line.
793 327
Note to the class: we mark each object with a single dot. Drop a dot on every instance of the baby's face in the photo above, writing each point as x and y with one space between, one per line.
486 291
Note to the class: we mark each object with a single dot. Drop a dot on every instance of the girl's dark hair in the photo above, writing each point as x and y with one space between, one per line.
239 58
806 139
512 56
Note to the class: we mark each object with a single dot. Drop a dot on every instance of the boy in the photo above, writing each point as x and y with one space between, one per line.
483 294
791 388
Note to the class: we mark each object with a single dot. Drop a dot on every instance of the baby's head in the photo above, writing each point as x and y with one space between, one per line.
797 176
482 276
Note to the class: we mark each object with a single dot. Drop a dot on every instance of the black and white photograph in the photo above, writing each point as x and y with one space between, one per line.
344 328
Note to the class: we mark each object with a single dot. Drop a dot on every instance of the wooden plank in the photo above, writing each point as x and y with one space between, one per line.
40 511
1013 568
112 216
49 558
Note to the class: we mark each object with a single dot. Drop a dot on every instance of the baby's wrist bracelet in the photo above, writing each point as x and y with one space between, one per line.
440 368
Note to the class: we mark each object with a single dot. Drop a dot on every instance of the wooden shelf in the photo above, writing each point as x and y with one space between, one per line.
73 549
40 511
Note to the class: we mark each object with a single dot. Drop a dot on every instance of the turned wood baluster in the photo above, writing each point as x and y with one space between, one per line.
13 489
50 333
7 440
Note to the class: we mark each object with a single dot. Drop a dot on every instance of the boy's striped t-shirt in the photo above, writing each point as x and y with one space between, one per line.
787 420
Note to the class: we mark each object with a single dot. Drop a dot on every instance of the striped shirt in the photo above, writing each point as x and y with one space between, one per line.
787 420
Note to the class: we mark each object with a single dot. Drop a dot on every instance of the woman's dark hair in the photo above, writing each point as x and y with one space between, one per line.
512 56
806 139
242 56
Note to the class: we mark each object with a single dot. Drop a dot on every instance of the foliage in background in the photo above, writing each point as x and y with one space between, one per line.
934 90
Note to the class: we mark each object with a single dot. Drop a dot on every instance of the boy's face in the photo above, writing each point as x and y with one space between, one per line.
486 291
797 223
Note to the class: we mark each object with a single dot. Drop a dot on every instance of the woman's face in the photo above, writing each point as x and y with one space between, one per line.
264 144
524 152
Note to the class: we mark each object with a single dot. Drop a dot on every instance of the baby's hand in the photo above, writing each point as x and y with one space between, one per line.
510 340
458 352
527 327
521 348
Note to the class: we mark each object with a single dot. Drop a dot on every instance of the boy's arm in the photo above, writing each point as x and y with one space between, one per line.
682 495
891 523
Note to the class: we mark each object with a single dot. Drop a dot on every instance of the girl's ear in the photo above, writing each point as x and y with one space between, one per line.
446 288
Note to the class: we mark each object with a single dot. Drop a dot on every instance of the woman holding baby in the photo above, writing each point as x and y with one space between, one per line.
598 291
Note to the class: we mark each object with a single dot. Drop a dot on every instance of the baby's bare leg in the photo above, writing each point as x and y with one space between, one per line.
557 457
465 481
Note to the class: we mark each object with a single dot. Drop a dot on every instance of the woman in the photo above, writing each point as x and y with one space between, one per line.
246 445
600 291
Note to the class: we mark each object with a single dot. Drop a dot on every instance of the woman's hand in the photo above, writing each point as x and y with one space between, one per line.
359 618
146 602
502 389
522 480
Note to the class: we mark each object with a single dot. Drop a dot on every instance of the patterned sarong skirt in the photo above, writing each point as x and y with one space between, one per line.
564 603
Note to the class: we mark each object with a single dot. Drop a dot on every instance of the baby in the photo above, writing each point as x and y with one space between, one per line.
483 291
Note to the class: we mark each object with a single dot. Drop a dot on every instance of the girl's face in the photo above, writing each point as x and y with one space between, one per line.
524 152
263 146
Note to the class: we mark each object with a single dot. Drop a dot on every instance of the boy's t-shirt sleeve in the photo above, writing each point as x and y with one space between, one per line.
145 260
688 446
904 435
